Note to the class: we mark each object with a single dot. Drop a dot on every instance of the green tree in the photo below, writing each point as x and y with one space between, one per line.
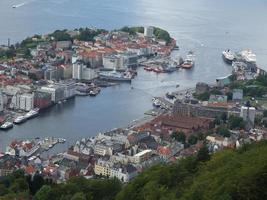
45 193
192 139
235 122
223 131
78 196
203 154
179 136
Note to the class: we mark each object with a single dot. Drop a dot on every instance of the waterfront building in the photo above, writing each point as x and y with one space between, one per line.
42 99
82 72
22 101
57 92
69 88
113 62
149 31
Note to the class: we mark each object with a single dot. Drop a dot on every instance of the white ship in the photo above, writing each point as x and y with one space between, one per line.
32 113
6 125
20 120
228 56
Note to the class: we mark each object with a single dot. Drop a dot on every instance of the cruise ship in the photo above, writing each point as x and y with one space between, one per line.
228 56
32 113
115 76
189 61
20 120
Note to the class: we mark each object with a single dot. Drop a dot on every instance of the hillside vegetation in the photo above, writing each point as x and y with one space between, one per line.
226 175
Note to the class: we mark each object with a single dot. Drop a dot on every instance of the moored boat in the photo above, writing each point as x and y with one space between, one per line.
6 125
32 113
228 56
189 61
20 120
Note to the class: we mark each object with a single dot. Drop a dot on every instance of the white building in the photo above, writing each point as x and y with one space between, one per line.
57 92
113 62
69 88
23 101
149 31
248 115
81 72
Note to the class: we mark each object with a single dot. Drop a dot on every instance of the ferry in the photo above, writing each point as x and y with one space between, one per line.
228 56
189 61
115 76
32 113
20 120
6 125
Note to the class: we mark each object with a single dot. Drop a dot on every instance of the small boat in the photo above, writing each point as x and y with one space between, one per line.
228 56
170 95
149 69
189 61
156 102
20 120
157 70
6 125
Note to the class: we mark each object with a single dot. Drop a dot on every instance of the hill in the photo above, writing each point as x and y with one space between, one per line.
226 175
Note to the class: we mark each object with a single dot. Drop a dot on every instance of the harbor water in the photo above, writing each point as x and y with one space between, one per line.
205 26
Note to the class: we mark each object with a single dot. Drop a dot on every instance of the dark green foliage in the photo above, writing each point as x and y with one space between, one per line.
61 35
235 122
223 131
228 174
203 154
179 136
192 139
203 97
132 30
162 34
87 34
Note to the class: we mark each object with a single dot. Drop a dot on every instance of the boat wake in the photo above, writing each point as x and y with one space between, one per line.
21 4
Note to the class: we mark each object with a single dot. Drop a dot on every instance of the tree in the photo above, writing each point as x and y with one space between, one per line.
265 113
203 154
36 183
223 131
192 139
78 196
179 136
44 193
3 190
235 122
